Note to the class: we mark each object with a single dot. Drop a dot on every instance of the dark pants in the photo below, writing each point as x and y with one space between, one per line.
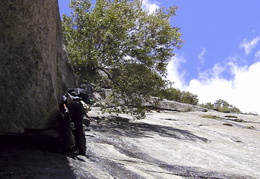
76 112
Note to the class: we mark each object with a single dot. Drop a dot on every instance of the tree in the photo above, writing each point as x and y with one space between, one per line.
118 44
177 95
222 106
189 98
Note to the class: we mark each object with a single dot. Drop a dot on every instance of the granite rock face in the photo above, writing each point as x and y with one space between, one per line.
34 70
164 145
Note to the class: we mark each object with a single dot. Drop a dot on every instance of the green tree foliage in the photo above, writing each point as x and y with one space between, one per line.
222 106
189 98
178 95
117 44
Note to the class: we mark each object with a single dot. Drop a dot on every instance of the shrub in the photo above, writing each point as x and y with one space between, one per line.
222 106
210 116
178 95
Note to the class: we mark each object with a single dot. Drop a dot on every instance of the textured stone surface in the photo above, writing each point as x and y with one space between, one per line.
165 145
33 64
177 106
173 106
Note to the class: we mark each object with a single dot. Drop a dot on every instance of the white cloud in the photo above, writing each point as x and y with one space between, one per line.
242 91
173 71
214 73
248 46
150 7
247 87
257 55
201 56
212 91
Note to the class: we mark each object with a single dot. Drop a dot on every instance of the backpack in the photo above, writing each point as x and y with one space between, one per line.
86 95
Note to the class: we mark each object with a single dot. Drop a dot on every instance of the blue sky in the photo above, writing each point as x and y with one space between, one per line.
221 56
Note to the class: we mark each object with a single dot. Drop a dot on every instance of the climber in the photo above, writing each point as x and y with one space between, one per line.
72 108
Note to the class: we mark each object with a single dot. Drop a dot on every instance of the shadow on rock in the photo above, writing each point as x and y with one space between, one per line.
32 156
113 131
123 127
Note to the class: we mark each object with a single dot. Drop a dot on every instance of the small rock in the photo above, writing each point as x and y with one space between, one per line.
227 124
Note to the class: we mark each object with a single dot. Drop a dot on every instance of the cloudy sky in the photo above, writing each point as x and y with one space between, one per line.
220 58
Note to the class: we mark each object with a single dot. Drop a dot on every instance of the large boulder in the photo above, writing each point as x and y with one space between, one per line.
34 70
177 106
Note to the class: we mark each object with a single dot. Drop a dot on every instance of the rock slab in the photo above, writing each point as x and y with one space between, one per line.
165 145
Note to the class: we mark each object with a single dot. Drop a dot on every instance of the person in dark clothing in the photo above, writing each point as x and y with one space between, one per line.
72 111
